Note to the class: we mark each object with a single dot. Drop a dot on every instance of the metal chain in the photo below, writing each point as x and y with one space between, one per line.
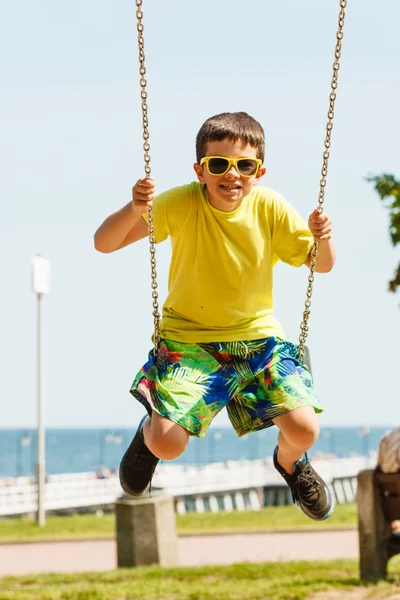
147 170
324 173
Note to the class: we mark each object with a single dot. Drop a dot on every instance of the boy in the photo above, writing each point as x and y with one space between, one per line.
220 345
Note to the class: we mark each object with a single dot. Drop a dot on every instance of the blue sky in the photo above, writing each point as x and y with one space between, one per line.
70 150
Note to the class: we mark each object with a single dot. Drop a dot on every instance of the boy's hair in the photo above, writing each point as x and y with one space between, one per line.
231 126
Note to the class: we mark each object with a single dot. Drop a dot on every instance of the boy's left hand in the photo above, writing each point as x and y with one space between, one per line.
320 226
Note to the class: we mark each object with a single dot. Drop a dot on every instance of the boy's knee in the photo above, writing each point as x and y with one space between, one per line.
304 435
309 434
168 447
166 440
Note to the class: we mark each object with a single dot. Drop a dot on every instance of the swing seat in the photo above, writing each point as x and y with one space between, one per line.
307 358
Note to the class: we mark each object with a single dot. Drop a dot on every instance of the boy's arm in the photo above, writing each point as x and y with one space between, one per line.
126 226
325 259
321 227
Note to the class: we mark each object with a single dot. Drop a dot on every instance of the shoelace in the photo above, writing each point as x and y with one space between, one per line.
308 484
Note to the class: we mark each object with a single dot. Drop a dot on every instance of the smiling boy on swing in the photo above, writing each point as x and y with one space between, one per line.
220 344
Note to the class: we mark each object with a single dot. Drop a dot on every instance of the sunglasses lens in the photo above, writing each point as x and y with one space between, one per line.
247 167
218 166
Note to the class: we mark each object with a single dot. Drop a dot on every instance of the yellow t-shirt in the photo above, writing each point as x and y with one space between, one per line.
220 280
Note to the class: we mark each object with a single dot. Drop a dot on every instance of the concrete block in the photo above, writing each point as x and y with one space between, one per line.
146 531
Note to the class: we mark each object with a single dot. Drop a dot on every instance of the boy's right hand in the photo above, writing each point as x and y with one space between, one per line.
143 193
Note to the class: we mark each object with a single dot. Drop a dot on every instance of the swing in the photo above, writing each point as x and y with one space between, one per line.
303 351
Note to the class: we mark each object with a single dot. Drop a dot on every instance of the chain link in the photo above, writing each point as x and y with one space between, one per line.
324 172
147 170
304 330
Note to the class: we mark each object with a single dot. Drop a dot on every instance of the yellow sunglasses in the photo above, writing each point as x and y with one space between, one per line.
219 165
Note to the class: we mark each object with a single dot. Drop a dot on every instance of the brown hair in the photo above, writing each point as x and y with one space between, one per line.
231 126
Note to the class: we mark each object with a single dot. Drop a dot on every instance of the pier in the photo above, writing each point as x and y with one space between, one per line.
232 485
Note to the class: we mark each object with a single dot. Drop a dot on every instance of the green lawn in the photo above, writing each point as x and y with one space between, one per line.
272 518
270 581
91 526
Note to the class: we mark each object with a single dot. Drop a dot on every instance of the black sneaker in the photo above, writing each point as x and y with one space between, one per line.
137 465
309 490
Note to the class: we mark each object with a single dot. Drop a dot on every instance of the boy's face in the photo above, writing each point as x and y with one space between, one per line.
226 192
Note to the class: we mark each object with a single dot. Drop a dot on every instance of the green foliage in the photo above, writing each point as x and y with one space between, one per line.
274 518
388 189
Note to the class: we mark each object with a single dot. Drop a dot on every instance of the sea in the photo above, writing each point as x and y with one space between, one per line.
82 450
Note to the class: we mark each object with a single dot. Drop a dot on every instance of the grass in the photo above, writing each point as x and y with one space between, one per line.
269 581
325 580
277 518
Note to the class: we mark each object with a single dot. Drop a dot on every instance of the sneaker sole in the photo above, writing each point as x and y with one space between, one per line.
329 513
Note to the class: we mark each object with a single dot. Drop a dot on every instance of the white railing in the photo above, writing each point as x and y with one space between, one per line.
21 498
235 479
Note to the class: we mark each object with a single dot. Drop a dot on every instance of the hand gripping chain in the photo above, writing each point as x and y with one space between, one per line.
147 170
324 173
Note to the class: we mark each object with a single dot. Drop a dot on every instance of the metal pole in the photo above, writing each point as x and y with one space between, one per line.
366 445
102 447
333 446
40 466
31 458
197 458
17 459
211 448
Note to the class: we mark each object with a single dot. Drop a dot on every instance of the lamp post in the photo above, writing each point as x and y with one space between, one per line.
118 438
329 436
197 453
106 438
22 441
215 436
333 444
365 438
18 466
41 287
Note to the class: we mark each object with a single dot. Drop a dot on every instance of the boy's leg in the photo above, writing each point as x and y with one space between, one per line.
165 439
180 388
282 392
156 438
298 431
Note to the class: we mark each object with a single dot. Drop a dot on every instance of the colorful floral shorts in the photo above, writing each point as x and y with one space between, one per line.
256 381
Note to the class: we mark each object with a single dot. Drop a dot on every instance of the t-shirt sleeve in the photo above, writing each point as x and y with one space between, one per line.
170 209
291 238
